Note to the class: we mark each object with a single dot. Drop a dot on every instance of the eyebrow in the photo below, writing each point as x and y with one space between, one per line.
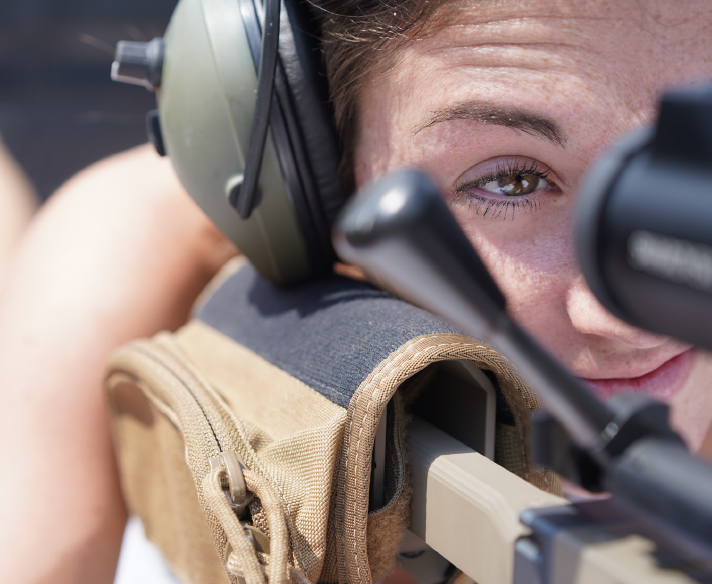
488 113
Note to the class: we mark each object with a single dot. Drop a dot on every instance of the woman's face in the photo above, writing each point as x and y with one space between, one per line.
507 109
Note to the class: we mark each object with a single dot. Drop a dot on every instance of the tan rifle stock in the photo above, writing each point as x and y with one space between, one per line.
467 508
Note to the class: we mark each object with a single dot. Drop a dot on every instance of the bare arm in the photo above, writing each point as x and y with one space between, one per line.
120 252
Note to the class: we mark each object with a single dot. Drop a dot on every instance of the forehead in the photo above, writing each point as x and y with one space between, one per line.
591 69
563 56
603 38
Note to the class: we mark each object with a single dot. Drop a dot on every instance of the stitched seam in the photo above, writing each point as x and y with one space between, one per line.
358 442
377 379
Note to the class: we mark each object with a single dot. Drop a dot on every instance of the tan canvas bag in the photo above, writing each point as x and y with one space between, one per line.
244 440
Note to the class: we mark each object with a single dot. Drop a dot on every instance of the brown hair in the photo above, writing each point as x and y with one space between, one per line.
360 40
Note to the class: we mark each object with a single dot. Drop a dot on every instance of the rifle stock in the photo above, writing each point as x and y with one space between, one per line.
470 510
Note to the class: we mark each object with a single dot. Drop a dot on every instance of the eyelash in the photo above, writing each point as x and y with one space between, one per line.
493 206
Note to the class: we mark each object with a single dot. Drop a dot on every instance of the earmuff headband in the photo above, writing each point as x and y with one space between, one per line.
243 197
286 133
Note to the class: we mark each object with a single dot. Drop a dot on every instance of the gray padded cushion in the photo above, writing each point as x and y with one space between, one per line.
329 334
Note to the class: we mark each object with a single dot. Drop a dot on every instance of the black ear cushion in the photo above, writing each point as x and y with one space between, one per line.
301 63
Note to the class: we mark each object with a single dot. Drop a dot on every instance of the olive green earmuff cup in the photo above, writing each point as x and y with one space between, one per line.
206 105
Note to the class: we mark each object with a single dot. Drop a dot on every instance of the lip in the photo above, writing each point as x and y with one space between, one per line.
661 383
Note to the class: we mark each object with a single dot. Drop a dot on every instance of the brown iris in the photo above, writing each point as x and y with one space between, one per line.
518 184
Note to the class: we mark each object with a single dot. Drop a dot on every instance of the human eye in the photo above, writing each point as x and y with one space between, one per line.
499 187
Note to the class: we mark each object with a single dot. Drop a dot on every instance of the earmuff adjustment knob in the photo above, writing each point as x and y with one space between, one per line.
139 63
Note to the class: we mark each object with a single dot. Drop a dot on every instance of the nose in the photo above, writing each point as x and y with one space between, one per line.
588 316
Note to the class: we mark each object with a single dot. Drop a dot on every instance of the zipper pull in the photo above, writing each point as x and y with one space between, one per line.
236 490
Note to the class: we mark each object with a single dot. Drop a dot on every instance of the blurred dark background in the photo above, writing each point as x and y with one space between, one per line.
59 110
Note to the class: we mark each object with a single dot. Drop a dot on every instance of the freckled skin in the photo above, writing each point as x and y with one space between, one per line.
597 70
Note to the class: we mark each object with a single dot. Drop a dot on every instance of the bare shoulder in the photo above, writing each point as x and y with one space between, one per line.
121 236
137 194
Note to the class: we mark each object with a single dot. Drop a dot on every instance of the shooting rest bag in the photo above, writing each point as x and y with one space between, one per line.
279 392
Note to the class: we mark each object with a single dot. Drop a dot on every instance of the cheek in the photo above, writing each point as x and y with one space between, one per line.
691 408
532 260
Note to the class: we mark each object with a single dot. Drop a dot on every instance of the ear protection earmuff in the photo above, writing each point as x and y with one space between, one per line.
258 153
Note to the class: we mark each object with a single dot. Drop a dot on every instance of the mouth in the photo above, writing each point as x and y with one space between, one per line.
661 383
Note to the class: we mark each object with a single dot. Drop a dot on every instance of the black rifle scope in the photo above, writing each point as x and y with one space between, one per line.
644 223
